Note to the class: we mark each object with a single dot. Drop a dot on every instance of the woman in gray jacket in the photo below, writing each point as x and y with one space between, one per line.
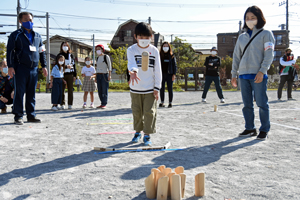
251 64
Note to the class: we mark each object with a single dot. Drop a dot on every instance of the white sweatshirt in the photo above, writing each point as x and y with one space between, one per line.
150 79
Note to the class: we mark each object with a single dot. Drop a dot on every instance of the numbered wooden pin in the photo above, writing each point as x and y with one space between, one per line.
162 188
145 60
158 176
166 171
150 186
176 187
200 185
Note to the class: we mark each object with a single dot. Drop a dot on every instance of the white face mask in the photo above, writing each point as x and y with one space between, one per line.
251 23
61 62
165 49
65 48
144 42
87 62
214 53
99 52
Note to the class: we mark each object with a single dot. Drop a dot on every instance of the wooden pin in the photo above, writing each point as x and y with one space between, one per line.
179 170
145 60
176 187
166 171
150 186
161 168
158 176
183 180
200 185
170 182
162 188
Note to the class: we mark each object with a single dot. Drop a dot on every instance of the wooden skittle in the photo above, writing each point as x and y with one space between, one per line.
158 176
179 170
183 180
200 185
145 60
150 186
176 187
161 168
170 182
162 188
166 171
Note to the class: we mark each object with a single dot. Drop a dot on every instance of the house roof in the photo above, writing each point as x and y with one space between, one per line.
203 51
120 26
68 40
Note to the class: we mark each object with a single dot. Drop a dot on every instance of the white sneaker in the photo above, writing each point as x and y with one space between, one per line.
69 106
92 106
204 100
62 107
54 108
84 105
222 101
59 108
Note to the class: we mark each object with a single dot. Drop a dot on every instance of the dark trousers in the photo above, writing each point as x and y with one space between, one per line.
102 85
25 82
166 78
283 79
3 105
56 92
69 79
208 81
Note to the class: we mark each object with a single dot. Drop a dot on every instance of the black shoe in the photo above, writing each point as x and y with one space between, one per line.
170 105
3 110
34 120
262 135
19 121
248 133
161 105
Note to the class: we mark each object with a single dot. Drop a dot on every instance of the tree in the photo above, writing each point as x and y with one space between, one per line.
119 60
2 50
226 64
184 53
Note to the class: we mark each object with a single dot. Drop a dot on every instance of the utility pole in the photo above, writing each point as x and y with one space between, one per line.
171 38
149 20
287 15
94 50
48 50
240 27
18 12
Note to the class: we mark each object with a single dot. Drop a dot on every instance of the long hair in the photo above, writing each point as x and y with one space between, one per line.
161 52
57 63
61 47
261 21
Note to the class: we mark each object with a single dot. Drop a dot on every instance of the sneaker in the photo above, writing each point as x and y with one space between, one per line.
248 133
19 121
222 100
137 137
102 107
58 108
62 107
69 106
54 108
291 99
204 100
279 99
84 105
34 120
3 110
170 105
92 106
161 105
262 135
147 141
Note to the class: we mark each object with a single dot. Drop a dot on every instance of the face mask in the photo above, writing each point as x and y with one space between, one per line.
61 62
144 42
65 48
87 62
214 53
27 25
165 49
5 70
99 52
251 23
288 54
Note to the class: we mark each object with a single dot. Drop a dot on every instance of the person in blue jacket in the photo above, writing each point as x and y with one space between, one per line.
24 51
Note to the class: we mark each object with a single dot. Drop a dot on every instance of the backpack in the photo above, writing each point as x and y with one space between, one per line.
105 59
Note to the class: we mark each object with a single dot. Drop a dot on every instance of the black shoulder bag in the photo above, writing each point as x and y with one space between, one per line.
250 42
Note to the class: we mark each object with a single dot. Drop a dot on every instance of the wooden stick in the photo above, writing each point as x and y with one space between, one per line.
161 168
150 186
200 185
170 182
179 170
162 188
155 171
145 60
133 148
176 187
158 176
183 180
166 171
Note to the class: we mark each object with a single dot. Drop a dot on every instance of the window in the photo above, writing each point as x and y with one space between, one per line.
128 33
224 40
277 55
278 39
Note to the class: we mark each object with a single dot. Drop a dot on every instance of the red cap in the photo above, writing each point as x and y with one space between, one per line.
100 45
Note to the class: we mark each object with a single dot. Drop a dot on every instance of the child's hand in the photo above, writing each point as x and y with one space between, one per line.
51 84
64 82
133 77
155 93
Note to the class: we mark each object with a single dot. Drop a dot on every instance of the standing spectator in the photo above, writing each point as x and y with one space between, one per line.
88 73
69 74
287 64
252 65
6 87
144 94
56 82
212 64
78 83
24 51
169 69
103 75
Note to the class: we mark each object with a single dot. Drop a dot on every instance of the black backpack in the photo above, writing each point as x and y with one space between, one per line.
105 59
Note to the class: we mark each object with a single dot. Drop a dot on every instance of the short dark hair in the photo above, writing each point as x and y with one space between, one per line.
261 21
143 29
24 13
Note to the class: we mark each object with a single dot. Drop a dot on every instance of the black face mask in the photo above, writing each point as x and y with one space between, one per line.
288 54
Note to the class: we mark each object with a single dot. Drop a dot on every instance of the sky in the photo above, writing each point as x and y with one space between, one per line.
198 22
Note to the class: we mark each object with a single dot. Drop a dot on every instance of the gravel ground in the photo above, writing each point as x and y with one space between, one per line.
55 159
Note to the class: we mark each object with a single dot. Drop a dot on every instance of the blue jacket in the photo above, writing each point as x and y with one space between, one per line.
18 51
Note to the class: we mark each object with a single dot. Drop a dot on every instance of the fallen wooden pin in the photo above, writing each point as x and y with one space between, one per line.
133 148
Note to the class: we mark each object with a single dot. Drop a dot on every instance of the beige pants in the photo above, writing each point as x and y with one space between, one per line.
144 110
